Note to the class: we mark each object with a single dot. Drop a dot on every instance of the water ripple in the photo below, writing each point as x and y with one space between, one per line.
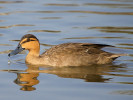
123 92
51 31
8 2
5 52
98 37
110 5
50 18
5 45
71 11
55 4
128 30
47 45
1 20
16 25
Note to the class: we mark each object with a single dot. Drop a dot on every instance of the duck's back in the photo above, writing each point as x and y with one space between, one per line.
78 54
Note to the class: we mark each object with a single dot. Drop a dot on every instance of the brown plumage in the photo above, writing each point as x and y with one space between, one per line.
67 54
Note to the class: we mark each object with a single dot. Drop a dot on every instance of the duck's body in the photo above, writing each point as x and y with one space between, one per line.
67 54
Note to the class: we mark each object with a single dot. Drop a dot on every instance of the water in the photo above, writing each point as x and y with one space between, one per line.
60 21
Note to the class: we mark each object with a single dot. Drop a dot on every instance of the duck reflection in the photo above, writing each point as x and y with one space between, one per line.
88 74
27 79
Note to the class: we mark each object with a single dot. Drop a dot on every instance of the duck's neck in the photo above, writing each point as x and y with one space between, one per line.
34 53
33 56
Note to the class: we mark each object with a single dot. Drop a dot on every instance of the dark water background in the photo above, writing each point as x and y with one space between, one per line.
60 21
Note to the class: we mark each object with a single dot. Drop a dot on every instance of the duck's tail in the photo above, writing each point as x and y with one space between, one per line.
114 56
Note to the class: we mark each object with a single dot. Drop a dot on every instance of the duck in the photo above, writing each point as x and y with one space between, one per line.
66 54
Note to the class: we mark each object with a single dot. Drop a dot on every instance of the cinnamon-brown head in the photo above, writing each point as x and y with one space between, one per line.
27 42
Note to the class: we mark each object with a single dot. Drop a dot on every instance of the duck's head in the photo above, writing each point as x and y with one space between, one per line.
27 42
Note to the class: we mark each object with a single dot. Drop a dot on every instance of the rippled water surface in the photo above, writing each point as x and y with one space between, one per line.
60 21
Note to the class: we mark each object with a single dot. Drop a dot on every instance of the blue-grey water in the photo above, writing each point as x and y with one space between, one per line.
60 21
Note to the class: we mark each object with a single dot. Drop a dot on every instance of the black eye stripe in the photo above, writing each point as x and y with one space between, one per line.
28 40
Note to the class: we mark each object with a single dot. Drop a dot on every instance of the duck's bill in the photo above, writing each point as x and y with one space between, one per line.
16 51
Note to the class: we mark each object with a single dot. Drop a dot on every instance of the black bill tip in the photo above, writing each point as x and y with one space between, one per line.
9 55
